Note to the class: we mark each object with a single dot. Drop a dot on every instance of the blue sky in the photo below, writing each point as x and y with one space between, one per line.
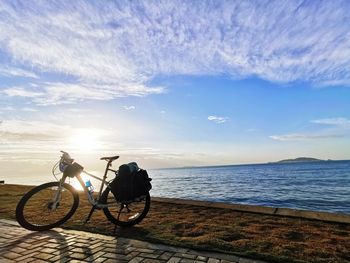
174 83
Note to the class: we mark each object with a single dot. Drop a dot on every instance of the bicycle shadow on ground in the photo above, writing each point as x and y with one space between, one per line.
130 232
33 242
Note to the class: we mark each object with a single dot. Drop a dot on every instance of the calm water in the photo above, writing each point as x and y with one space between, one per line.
322 186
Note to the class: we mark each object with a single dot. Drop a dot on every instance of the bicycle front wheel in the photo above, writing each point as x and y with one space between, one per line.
125 215
45 206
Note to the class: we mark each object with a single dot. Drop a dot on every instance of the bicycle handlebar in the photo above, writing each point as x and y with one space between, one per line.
65 161
66 157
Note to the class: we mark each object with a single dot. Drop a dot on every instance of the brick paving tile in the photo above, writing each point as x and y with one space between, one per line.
136 260
100 259
98 254
77 261
55 258
11 255
3 260
61 259
29 255
115 250
27 260
150 260
148 255
31 250
184 255
18 250
38 261
109 245
145 250
82 250
79 244
48 250
52 245
60 245
115 261
174 260
96 245
114 256
95 250
131 255
44 256
76 255
166 255
186 260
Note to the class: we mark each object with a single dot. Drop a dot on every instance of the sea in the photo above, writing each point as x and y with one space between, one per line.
318 186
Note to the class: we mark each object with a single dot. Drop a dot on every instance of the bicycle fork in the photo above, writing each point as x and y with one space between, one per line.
56 200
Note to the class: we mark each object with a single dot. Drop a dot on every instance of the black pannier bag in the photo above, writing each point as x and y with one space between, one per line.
130 184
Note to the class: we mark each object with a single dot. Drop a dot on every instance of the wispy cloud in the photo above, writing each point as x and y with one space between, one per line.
340 122
16 72
334 128
14 131
22 92
115 48
7 108
303 137
29 109
129 107
218 119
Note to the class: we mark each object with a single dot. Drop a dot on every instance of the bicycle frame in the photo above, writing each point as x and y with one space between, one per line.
53 213
94 202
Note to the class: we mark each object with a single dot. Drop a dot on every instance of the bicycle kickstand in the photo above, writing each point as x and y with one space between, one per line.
90 214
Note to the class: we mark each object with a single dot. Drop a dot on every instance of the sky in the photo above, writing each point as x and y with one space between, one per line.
173 83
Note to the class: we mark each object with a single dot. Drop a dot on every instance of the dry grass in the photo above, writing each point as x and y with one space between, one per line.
274 238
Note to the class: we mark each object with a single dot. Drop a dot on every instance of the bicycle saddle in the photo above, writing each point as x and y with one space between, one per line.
109 159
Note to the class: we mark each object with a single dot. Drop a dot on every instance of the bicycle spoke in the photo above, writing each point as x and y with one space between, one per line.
40 209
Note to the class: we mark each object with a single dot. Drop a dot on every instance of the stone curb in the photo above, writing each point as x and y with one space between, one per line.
305 214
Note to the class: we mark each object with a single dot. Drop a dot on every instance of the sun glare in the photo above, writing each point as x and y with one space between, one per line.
85 140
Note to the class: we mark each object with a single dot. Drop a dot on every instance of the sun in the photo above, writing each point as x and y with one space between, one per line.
85 140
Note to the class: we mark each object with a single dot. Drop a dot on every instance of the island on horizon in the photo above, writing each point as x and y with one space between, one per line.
302 160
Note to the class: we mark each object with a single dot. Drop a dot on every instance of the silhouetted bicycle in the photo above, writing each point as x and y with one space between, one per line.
51 204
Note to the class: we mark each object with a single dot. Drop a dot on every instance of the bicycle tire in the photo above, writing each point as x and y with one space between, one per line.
144 207
24 210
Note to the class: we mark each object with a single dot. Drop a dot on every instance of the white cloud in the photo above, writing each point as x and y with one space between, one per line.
114 49
218 119
20 130
22 92
303 137
338 127
7 108
340 122
29 109
66 93
129 107
17 72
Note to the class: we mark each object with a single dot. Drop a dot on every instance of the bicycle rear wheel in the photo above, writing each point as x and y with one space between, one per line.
37 211
125 215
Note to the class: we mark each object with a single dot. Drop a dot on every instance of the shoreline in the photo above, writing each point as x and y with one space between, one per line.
244 230
266 210
256 209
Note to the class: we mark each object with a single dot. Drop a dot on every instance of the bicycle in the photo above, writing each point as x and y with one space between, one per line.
51 204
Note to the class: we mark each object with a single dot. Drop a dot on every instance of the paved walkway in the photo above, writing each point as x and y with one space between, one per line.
59 245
